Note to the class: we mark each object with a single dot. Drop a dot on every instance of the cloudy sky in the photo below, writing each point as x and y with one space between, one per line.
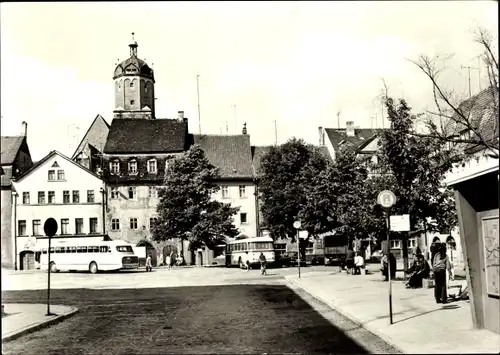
296 63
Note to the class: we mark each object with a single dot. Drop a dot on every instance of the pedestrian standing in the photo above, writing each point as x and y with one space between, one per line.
440 265
349 261
149 266
169 262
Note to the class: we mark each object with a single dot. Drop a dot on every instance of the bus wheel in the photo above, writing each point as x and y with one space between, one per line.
53 267
93 267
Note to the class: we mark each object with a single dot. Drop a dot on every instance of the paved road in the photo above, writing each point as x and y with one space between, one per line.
160 277
210 319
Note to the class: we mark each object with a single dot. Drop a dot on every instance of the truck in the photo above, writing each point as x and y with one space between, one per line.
335 249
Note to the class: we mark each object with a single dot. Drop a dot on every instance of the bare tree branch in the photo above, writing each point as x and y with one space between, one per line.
463 116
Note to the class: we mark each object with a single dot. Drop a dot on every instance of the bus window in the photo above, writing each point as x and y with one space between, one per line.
84 249
73 249
103 248
60 249
93 249
124 248
79 249
44 251
51 250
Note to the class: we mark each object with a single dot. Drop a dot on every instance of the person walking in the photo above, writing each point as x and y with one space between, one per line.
440 265
149 266
168 261
263 262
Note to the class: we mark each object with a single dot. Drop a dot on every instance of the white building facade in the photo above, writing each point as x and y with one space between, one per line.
58 188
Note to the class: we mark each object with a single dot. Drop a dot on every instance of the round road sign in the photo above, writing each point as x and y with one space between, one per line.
50 227
297 224
386 198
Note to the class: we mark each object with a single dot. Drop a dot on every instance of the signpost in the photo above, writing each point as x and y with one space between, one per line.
297 226
387 199
50 229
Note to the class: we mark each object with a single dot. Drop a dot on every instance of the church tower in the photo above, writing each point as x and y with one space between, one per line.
134 87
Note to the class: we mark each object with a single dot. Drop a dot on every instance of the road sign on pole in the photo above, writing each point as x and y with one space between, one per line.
50 229
297 226
387 199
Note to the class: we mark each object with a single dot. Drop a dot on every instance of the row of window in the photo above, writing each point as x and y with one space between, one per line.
131 194
396 244
114 165
51 197
226 191
37 228
60 175
78 249
132 223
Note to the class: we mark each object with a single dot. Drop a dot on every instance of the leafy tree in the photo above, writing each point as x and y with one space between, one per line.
287 172
418 165
346 195
186 209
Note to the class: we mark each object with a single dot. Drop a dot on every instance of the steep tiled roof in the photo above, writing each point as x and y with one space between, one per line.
257 153
482 111
9 147
338 137
230 153
146 136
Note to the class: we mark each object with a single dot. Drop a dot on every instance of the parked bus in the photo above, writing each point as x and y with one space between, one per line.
236 251
92 256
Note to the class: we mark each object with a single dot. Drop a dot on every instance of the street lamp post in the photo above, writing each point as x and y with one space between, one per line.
297 226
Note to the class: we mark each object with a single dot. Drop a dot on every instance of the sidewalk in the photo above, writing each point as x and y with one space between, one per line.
419 324
26 318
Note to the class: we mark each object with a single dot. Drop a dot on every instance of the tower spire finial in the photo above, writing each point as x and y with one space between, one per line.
133 46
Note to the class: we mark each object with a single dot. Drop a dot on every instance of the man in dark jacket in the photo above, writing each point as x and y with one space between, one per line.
349 261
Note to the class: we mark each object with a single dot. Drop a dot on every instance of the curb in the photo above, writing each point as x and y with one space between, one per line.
39 326
349 316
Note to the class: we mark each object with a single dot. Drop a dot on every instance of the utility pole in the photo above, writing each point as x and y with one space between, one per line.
234 119
275 133
469 67
198 92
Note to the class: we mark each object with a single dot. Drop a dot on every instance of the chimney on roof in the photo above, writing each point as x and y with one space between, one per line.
321 136
244 128
180 115
25 126
349 128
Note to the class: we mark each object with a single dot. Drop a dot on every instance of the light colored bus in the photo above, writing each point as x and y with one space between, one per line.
90 256
239 251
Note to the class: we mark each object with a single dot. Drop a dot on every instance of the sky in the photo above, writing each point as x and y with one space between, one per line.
289 65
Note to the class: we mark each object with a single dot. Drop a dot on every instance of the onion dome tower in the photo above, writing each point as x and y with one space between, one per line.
134 87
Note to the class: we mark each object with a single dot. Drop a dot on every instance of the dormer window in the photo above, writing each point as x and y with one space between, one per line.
114 166
132 167
152 166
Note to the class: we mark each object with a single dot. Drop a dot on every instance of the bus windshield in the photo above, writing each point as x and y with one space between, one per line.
124 249
261 246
